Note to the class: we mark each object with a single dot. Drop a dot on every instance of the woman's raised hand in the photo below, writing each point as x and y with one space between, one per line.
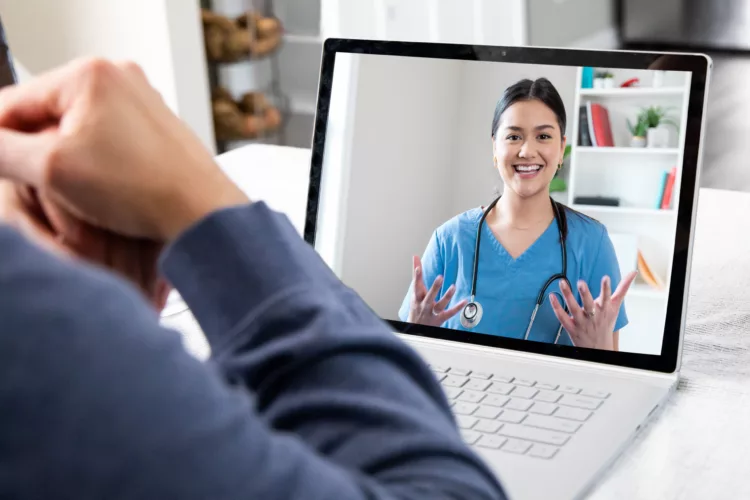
593 324
425 309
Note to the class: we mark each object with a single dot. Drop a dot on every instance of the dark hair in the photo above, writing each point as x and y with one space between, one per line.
526 90
540 89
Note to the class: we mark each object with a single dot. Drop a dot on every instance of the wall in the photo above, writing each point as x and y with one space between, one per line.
482 84
401 151
559 23
163 36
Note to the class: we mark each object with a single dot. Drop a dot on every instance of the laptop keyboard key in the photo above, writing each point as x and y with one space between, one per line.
455 381
463 408
477 384
548 387
481 375
595 394
495 400
461 372
485 411
471 396
543 451
524 381
569 389
573 414
439 369
548 396
519 404
452 392
470 437
500 388
517 446
489 426
580 402
491 441
533 434
552 423
543 408
502 378
524 392
512 416
466 422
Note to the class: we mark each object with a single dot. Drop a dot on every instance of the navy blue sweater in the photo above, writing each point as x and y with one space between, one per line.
308 395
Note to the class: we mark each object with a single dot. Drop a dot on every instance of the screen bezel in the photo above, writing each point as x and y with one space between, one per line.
697 64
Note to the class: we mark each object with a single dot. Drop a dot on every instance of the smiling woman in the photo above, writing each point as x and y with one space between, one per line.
500 269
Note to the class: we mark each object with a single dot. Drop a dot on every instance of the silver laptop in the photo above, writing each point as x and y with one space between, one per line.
458 189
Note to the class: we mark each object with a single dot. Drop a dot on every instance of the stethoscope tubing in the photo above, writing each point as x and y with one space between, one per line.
548 283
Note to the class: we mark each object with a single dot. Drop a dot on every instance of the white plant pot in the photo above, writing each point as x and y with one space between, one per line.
599 83
609 83
637 142
658 137
658 78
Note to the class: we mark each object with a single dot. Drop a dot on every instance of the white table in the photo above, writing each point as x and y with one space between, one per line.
696 448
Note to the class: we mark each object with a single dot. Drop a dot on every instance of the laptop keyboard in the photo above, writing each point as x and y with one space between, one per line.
517 415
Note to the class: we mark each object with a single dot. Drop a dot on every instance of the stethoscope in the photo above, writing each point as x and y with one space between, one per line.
472 312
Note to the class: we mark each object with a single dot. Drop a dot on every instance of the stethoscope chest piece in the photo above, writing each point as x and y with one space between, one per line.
471 315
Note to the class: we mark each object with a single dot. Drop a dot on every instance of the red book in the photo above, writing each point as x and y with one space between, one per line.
669 189
602 127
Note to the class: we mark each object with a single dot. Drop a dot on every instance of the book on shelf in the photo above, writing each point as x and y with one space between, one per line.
584 138
650 277
595 129
666 189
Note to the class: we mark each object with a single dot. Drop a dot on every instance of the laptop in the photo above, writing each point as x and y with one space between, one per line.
402 167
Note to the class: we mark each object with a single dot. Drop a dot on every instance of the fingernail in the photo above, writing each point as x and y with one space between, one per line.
581 286
552 298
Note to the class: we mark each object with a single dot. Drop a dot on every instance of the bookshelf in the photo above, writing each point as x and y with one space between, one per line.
634 176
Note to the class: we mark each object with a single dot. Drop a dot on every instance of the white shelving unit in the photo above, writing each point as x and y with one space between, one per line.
633 175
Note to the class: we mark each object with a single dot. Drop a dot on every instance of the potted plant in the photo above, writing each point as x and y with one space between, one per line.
656 118
604 80
638 131
558 184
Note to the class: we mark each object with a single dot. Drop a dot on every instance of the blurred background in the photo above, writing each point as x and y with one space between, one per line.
244 71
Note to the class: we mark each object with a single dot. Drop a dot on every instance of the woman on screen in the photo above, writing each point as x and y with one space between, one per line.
487 269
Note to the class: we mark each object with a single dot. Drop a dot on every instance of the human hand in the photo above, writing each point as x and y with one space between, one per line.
37 219
593 324
424 309
97 140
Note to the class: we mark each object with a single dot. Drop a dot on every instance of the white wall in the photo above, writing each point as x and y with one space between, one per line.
163 36
482 84
401 151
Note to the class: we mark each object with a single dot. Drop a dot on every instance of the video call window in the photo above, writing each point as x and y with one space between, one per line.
418 150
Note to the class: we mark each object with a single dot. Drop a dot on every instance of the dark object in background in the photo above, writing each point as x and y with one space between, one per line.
684 24
7 70
600 201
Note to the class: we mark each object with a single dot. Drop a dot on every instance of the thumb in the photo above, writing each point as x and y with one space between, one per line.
25 157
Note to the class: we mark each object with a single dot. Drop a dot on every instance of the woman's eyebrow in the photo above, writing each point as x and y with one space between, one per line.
539 127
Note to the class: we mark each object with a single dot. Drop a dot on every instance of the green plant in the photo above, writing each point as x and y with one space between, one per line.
604 74
640 128
656 115
558 185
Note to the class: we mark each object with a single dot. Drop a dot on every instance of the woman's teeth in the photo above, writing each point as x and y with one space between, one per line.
527 168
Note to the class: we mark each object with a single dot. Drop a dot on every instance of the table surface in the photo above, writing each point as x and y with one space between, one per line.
694 448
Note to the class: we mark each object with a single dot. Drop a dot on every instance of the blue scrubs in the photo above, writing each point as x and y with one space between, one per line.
507 288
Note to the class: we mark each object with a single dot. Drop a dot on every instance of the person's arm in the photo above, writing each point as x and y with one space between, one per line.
322 401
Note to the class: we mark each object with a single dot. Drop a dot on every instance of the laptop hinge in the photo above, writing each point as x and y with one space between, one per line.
542 358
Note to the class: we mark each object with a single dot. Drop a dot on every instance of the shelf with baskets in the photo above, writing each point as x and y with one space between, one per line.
264 59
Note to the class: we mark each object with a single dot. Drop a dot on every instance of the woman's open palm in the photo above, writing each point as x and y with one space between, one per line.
425 308
593 324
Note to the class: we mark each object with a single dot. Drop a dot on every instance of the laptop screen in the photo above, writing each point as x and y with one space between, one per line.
536 203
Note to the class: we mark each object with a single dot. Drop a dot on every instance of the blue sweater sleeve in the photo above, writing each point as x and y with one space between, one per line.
308 394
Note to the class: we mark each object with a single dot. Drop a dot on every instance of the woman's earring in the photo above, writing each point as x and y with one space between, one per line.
559 167
495 161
